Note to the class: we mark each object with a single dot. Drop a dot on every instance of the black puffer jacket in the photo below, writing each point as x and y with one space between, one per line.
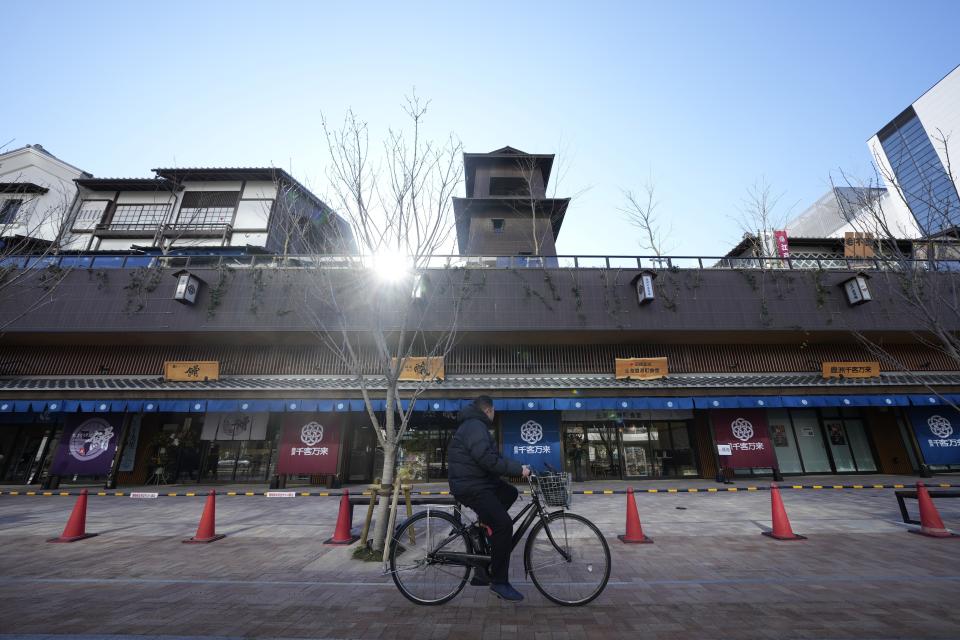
473 459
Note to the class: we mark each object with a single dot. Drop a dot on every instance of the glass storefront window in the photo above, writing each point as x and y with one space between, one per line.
813 451
862 453
784 442
837 437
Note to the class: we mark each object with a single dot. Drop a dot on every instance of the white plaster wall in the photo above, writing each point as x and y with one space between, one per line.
939 111
145 197
252 214
260 189
41 215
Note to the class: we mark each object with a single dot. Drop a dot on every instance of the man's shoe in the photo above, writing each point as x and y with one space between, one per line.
506 591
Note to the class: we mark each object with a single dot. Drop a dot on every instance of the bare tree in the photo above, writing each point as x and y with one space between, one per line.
760 214
387 297
640 210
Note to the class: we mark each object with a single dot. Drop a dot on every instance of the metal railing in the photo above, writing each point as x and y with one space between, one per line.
654 263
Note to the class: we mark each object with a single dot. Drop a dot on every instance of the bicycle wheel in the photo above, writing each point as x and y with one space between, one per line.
419 579
570 582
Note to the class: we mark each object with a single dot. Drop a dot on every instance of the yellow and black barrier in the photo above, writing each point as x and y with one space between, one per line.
585 492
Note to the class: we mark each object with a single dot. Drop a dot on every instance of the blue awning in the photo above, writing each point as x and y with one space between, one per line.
925 400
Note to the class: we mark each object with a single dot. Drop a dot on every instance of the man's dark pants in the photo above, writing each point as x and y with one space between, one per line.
492 508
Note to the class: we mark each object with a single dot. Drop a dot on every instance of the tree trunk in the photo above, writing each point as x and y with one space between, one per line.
383 505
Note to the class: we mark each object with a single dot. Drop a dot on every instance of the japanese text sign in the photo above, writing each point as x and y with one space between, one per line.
938 434
745 432
310 444
532 437
421 369
851 369
87 445
857 244
191 371
641 368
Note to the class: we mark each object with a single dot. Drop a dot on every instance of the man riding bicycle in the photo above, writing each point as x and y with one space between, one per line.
475 465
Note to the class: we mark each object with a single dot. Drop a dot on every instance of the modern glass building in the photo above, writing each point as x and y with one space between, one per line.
914 150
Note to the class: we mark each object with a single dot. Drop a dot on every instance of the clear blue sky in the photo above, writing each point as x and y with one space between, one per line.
709 96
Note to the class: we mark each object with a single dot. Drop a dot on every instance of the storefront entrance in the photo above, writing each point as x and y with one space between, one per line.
825 441
25 452
629 448
424 451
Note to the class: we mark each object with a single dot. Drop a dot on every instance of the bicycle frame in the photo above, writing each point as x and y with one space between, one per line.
528 514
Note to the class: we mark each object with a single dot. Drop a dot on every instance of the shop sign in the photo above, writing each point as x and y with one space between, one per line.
724 450
310 444
851 369
235 426
421 369
532 437
938 433
745 432
783 245
641 368
857 244
87 445
191 370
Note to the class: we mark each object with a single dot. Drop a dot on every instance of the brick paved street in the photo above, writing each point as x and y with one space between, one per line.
708 575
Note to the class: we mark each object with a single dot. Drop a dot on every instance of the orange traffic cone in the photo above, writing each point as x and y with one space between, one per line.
341 535
634 534
206 532
930 522
77 524
781 524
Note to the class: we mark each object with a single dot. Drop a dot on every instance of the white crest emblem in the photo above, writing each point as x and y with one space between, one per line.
531 432
742 429
940 426
311 433
91 439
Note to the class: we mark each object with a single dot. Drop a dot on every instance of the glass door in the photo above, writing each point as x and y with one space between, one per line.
637 461
603 451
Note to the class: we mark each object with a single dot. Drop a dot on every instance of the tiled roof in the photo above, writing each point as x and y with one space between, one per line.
732 382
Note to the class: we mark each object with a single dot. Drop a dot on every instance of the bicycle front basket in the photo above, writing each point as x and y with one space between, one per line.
555 489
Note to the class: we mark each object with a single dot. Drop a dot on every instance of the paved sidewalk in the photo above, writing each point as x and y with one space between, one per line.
709 574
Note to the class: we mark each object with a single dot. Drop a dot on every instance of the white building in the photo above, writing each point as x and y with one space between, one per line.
911 152
37 193
854 209
203 208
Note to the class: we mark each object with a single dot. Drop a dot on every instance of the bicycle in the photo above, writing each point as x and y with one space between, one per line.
433 553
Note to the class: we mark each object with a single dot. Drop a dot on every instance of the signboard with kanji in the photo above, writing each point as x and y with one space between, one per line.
744 431
857 244
641 368
851 369
191 371
422 369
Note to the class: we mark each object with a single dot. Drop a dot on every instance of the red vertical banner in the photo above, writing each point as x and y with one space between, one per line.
783 245
310 443
745 432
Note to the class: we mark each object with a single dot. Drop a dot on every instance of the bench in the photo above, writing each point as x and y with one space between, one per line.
934 493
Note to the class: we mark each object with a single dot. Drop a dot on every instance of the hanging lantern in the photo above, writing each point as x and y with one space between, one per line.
857 290
643 281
